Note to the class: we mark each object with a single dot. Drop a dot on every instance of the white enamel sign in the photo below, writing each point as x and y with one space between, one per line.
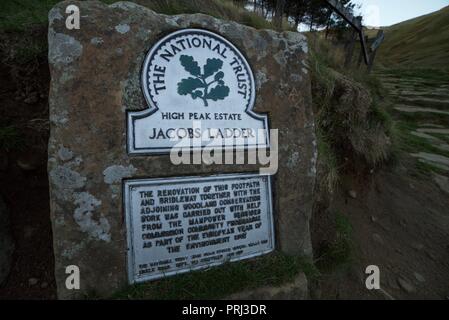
200 93
185 223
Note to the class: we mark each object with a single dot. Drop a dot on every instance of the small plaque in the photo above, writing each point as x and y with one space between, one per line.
200 92
181 224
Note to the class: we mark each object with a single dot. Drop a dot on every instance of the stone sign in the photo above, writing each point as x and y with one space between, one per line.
119 85
187 223
200 92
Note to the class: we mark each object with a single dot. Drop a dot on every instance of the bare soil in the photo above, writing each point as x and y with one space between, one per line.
24 182
400 224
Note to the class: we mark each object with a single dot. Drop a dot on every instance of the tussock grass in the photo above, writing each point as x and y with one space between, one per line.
328 164
349 107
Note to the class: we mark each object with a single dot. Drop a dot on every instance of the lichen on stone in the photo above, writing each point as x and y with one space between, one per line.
96 40
122 28
64 153
83 214
115 173
54 14
66 181
261 78
63 49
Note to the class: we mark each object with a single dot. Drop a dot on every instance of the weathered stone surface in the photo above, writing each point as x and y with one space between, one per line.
95 75
295 290
6 243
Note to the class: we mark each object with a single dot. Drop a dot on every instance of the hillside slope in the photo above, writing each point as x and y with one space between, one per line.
423 41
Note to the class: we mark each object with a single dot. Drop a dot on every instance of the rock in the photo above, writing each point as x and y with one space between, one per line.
392 283
26 166
378 238
29 160
295 290
431 255
442 182
417 246
6 243
91 89
31 100
374 219
352 194
33 281
385 224
419 277
406 285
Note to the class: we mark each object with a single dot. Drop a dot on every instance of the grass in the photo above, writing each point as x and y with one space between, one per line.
271 270
340 252
413 144
19 15
438 75
408 143
328 159
10 138
24 16
422 41
349 107
441 136
406 123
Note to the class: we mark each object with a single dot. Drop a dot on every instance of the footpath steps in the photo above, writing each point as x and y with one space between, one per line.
421 105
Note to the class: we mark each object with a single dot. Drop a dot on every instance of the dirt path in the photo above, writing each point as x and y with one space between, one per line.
401 224
400 215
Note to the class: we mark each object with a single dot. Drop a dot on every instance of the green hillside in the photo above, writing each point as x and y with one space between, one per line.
420 42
